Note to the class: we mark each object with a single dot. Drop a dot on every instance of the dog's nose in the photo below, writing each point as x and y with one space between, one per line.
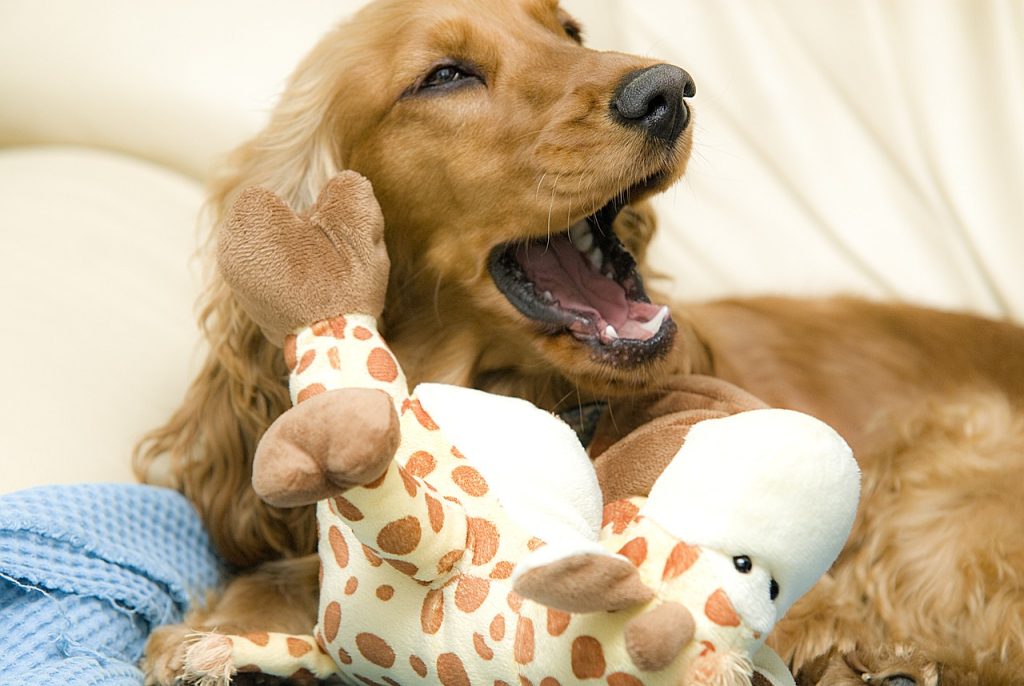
652 99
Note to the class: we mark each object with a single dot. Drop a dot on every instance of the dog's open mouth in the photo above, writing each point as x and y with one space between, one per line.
584 283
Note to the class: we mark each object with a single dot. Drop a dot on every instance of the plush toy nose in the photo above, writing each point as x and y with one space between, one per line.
656 637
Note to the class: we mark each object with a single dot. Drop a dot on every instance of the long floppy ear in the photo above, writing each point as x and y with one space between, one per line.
206 448
638 437
585 582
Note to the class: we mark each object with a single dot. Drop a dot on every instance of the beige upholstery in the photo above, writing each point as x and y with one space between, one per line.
845 146
97 334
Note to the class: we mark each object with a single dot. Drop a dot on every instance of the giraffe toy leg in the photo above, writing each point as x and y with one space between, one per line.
213 659
404 521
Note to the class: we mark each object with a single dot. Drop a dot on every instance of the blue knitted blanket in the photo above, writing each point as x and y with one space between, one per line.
86 571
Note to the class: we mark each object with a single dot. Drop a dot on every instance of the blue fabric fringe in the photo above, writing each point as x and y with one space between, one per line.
87 571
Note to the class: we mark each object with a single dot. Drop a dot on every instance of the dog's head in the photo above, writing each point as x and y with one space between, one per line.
503 152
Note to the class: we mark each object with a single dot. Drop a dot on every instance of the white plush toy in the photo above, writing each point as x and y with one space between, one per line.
463 539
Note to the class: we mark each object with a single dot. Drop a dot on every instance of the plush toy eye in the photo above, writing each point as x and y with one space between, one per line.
743 564
773 589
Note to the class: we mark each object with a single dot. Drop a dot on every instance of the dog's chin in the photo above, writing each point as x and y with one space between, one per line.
582 294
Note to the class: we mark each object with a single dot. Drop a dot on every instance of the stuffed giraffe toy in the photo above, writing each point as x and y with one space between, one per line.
462 535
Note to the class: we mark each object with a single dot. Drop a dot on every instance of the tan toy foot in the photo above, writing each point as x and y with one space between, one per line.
585 583
325 446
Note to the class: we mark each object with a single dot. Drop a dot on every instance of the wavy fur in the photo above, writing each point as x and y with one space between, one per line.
935 561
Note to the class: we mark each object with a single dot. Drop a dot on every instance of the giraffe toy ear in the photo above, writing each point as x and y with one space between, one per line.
656 637
583 582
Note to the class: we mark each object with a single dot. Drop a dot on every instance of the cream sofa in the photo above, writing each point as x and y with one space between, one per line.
854 146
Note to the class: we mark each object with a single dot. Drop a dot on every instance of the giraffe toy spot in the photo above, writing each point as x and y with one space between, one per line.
635 551
524 645
719 610
588 658
375 649
451 671
418 666
400 537
297 647
558 622
432 612
681 558
332 621
619 514
381 365
338 546
497 628
481 647
347 510
470 593
306 362
420 464
309 391
485 540
470 481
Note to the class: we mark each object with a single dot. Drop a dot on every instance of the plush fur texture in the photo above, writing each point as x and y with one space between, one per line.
931 402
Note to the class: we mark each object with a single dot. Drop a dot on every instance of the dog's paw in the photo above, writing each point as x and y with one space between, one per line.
897 665
163 661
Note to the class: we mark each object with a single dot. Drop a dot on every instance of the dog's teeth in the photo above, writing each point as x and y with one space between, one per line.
581 237
548 297
596 257
654 325
611 333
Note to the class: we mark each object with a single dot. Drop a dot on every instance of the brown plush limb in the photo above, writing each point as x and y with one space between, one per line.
638 437
655 638
325 446
585 583
290 270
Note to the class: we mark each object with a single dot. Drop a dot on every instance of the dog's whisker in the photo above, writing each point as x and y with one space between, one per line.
551 208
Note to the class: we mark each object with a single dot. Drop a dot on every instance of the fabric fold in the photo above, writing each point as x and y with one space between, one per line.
87 571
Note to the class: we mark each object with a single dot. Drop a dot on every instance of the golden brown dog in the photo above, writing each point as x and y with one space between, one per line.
503 154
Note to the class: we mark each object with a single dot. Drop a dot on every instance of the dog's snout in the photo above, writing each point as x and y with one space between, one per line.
652 99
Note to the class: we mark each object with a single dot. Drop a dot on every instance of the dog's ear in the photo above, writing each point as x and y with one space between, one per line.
296 153
206 448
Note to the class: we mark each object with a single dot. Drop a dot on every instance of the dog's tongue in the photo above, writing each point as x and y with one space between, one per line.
563 271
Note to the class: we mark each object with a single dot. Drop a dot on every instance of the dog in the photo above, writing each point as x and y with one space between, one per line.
513 165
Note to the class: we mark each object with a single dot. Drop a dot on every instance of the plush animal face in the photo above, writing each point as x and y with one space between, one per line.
774 492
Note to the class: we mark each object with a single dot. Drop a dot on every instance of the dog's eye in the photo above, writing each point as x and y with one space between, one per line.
742 564
447 76
574 31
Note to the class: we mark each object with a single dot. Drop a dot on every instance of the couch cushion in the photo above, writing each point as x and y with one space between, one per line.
98 332
180 83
